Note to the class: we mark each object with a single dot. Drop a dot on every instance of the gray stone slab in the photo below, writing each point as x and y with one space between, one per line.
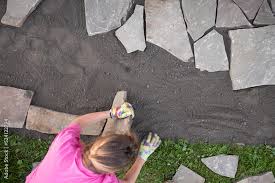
18 11
199 16
165 28
51 122
273 6
252 57
105 15
185 175
210 53
265 178
14 105
249 7
265 15
230 15
224 165
131 34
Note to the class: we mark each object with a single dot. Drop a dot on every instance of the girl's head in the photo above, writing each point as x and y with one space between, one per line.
111 153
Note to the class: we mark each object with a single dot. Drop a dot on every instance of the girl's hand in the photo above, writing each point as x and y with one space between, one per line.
149 145
124 111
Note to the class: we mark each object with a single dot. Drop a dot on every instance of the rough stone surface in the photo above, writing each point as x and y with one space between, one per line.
265 15
165 28
210 53
249 7
199 16
18 11
230 15
273 6
118 126
185 175
252 57
265 178
14 105
224 165
131 34
48 121
105 15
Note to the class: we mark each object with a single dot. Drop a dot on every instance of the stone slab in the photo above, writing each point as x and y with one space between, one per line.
252 57
18 11
14 105
265 15
51 122
105 15
165 28
131 34
273 6
118 126
265 178
210 53
224 165
185 175
199 16
230 15
249 7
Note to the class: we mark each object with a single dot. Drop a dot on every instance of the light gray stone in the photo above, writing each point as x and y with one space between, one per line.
199 15
273 6
131 34
51 122
35 164
105 15
165 28
18 11
265 15
252 57
224 165
14 105
265 178
230 15
249 7
185 175
210 53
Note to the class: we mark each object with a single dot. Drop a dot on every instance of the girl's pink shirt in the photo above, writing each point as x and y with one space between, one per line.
63 162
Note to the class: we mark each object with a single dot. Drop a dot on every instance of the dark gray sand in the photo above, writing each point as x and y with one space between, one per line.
74 73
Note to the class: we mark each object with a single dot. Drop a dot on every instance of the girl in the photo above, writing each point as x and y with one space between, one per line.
69 161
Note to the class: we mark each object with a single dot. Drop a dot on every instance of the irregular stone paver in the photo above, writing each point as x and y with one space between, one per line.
273 6
265 15
252 57
210 53
199 16
265 178
230 15
48 121
249 7
18 11
14 105
165 28
224 165
185 175
131 34
118 126
105 15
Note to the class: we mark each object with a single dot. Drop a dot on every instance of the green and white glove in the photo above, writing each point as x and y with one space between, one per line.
123 111
149 145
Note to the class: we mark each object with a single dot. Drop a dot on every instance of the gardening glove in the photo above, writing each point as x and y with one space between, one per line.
149 145
123 111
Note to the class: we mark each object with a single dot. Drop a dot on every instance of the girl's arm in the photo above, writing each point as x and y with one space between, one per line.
132 174
91 118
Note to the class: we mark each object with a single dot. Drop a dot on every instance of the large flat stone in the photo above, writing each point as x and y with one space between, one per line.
165 28
210 53
224 165
131 34
265 15
18 11
265 178
273 6
51 122
14 105
252 57
105 15
230 15
249 7
185 175
199 16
